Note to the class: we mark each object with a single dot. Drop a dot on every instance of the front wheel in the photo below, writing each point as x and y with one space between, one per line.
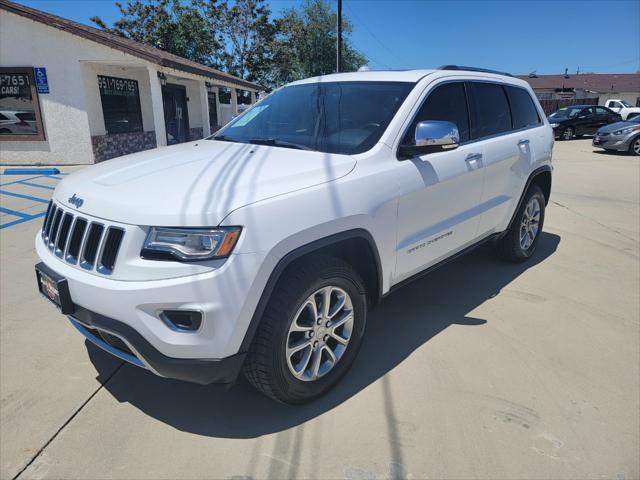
634 148
568 133
520 241
310 333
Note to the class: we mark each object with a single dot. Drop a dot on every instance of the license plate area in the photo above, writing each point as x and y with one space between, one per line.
55 288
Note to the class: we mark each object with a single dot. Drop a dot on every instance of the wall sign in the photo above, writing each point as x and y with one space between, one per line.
42 83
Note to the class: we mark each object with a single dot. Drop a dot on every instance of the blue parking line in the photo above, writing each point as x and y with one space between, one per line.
25 197
22 220
15 213
24 182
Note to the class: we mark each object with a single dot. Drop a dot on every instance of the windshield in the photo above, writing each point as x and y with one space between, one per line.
567 112
635 119
626 104
332 117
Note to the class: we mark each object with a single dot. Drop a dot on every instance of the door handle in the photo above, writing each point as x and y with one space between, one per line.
522 143
473 157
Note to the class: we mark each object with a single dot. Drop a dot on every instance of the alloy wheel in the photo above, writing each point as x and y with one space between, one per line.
530 224
319 333
636 146
567 134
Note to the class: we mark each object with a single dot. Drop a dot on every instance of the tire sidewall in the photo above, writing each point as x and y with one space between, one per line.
633 142
564 133
535 191
298 389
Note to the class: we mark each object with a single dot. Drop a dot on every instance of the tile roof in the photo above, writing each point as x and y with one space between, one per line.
594 82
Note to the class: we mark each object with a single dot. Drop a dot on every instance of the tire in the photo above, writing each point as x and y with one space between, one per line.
634 147
568 133
511 246
271 368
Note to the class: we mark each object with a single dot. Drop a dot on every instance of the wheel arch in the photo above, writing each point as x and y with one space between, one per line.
541 177
356 246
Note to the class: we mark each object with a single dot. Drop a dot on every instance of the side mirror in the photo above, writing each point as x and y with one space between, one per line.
436 133
431 136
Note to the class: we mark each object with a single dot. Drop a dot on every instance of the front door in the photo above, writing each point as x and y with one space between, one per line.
176 115
438 212
586 122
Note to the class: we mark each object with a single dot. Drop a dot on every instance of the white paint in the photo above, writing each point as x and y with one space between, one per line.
285 199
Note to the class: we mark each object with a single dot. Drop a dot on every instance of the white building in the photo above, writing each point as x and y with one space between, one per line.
73 94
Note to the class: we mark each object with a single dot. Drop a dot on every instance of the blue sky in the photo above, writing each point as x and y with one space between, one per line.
517 36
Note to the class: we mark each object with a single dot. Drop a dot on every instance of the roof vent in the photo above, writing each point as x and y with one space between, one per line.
566 73
533 74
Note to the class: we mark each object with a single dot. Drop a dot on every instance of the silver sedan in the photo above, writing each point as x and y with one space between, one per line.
620 136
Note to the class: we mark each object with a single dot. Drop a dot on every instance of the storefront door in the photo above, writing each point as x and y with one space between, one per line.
176 115
213 112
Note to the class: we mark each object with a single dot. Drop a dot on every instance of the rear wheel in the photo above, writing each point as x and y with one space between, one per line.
310 332
568 133
634 148
520 241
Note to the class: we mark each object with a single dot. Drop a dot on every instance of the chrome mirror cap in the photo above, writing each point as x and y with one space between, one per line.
434 133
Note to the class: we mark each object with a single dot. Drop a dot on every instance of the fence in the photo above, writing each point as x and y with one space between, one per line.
550 106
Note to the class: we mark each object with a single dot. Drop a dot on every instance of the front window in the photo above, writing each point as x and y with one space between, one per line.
120 104
625 103
19 106
331 117
565 113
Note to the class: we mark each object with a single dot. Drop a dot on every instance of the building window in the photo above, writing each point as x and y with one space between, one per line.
244 97
224 95
544 95
20 117
120 104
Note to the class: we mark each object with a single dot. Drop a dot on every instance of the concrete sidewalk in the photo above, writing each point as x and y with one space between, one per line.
480 370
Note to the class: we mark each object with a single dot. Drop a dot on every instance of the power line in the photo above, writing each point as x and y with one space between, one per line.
363 24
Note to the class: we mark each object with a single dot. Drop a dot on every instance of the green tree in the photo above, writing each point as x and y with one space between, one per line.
181 29
248 35
305 43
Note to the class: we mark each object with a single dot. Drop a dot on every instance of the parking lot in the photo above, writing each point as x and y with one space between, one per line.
480 370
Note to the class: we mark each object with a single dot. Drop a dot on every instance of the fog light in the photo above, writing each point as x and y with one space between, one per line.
182 320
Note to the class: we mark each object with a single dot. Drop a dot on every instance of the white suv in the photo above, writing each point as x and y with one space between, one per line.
262 247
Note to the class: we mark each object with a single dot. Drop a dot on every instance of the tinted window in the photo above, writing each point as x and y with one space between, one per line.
523 109
586 112
120 104
491 108
332 117
447 102
602 111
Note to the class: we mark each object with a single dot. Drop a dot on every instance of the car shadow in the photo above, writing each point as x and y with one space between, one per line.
404 321
614 153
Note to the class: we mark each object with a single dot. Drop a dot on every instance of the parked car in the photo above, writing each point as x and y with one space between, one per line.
577 120
262 248
623 108
17 122
620 136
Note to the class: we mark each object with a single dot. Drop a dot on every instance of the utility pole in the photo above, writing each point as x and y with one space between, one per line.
339 39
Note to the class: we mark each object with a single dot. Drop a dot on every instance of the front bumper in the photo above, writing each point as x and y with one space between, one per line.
122 341
613 142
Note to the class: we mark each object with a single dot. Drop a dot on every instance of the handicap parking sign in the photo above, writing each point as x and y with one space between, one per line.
42 84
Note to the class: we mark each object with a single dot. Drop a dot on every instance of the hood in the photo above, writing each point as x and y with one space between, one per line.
617 126
194 184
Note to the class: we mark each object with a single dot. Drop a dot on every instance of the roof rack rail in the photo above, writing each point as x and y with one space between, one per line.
473 69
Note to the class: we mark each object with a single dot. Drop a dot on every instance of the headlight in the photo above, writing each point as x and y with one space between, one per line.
624 131
554 125
190 244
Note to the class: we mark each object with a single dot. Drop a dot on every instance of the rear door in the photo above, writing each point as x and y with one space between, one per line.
604 116
509 126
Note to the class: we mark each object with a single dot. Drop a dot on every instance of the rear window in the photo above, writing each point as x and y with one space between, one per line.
523 109
491 109
26 116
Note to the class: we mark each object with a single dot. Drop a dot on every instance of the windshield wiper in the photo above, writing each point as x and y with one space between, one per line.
223 138
278 143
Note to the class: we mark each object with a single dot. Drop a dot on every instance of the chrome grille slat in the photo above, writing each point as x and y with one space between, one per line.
92 245
63 234
110 248
53 234
76 239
